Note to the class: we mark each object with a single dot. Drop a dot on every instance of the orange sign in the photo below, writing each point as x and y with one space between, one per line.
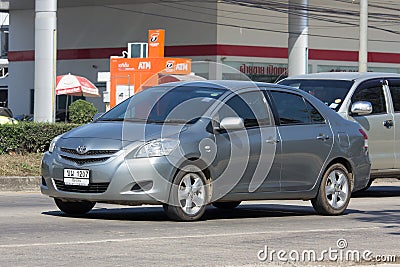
132 73
156 41
165 65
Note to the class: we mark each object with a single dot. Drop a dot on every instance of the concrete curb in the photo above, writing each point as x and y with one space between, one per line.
28 183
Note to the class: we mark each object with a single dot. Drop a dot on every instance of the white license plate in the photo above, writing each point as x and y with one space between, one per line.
76 177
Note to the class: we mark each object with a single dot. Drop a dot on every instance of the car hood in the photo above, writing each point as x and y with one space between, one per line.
125 131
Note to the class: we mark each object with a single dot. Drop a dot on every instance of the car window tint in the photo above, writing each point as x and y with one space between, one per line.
372 93
291 108
250 106
394 85
316 117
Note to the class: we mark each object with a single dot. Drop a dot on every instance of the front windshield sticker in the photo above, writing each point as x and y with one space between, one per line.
333 105
338 100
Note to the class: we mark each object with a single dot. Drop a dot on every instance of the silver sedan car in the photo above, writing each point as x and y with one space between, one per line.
189 144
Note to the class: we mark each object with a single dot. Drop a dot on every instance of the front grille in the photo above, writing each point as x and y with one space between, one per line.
81 161
91 188
88 153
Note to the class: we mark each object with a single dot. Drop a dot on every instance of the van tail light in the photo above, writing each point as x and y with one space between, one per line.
365 138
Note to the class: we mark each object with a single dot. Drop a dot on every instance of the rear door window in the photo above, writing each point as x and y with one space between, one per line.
294 109
316 117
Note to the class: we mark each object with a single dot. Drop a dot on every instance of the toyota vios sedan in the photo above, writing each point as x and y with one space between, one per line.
189 144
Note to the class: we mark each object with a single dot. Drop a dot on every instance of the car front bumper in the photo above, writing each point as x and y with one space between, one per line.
117 180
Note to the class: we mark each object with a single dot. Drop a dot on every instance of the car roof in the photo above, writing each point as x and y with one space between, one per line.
233 85
346 76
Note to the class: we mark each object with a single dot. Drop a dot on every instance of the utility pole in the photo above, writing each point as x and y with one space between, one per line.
298 37
363 48
45 60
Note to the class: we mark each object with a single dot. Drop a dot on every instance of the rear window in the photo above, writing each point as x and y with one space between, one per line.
331 92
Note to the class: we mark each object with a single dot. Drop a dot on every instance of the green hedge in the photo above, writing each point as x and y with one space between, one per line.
30 136
81 111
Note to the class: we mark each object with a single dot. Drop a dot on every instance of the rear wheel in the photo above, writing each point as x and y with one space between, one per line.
226 205
334 193
70 207
188 197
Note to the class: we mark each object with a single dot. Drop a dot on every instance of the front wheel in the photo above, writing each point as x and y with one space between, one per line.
70 207
188 197
334 193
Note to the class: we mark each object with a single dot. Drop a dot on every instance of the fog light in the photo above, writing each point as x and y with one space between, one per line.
142 186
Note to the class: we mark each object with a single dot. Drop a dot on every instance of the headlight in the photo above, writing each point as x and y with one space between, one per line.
53 143
157 148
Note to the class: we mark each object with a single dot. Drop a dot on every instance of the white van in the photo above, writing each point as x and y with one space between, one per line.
371 99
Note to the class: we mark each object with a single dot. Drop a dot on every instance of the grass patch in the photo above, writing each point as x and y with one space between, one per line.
20 165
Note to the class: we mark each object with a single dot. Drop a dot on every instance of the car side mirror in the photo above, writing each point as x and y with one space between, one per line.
361 108
97 115
231 123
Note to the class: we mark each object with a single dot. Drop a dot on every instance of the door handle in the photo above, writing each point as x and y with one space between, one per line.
388 124
322 137
272 141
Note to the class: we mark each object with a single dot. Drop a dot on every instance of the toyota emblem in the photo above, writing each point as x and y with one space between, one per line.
81 150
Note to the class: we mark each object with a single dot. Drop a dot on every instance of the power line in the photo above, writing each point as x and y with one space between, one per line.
313 12
186 7
238 26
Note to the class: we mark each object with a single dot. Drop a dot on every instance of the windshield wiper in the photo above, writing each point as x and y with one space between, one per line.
110 119
135 120
123 119
172 121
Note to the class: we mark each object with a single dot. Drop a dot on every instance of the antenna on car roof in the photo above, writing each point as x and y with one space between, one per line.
283 73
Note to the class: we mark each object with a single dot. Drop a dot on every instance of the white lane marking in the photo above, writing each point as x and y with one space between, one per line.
180 237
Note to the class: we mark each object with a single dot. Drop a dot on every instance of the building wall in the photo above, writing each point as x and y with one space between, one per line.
21 73
256 43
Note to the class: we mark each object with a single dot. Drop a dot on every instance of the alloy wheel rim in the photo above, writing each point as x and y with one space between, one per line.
337 189
191 193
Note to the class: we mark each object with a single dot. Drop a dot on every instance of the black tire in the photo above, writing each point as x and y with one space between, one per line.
74 207
334 192
226 205
188 196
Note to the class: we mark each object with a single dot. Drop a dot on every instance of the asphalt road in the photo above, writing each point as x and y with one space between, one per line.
34 233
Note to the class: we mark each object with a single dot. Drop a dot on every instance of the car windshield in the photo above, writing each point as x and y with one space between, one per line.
5 112
331 92
162 104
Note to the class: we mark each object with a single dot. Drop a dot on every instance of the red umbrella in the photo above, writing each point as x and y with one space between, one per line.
75 85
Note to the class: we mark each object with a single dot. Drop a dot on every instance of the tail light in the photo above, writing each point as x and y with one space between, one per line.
365 138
